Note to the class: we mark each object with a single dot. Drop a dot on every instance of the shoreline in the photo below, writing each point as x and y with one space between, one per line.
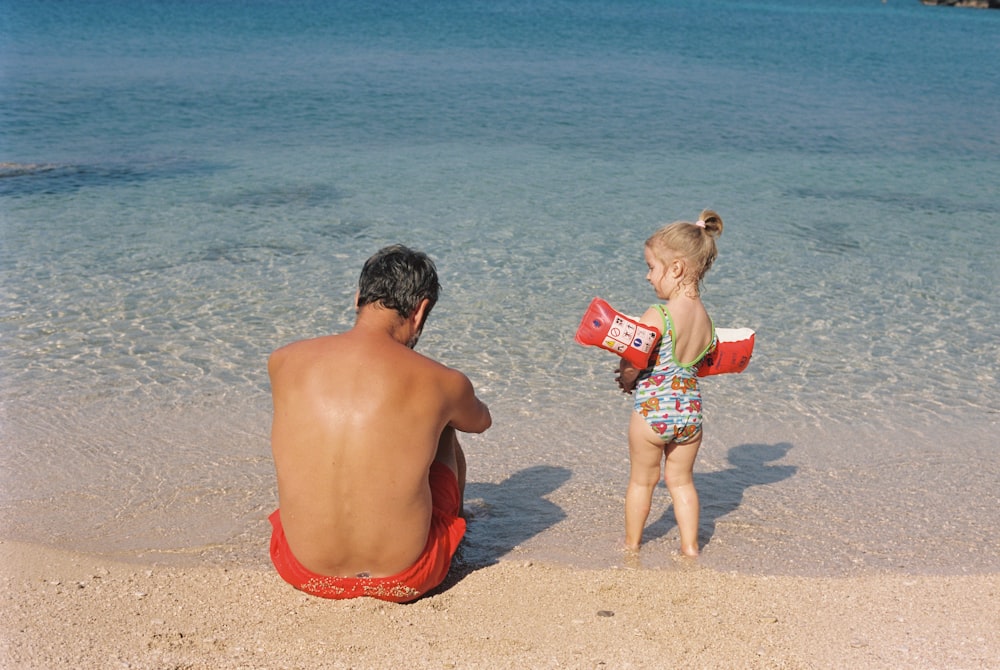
191 483
68 609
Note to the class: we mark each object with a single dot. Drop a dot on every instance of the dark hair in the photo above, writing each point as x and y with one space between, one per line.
398 278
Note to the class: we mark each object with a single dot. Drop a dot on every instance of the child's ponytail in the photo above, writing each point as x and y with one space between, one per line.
712 222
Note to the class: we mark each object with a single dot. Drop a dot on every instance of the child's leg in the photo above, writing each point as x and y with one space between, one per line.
645 450
678 473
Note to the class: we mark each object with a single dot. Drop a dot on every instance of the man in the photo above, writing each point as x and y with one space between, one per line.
370 471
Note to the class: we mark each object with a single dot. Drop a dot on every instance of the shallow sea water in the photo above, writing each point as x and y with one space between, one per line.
165 223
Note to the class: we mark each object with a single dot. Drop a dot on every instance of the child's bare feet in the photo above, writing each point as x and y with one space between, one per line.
630 555
690 552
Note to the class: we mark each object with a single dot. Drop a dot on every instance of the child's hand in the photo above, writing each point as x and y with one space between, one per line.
627 374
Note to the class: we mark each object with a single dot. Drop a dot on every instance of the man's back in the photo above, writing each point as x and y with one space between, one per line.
357 420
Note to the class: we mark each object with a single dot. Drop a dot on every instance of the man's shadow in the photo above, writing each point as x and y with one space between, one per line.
502 516
722 492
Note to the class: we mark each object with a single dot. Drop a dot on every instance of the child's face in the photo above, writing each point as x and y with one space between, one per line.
659 275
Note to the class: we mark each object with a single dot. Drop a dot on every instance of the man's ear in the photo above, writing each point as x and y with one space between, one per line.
420 314
357 296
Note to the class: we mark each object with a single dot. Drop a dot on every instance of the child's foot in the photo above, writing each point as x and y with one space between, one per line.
690 552
631 555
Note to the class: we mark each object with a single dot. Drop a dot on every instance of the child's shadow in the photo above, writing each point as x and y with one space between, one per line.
502 516
722 492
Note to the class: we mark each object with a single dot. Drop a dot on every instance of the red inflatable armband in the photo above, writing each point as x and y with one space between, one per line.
732 353
603 327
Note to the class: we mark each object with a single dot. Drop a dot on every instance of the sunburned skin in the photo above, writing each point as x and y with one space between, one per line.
361 424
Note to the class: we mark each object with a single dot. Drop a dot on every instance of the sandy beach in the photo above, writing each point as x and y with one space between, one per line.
186 187
69 610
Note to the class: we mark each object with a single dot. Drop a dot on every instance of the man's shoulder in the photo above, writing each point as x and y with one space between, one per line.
450 382
436 367
300 349
288 350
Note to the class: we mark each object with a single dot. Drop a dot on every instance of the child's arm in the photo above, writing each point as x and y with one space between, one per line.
628 373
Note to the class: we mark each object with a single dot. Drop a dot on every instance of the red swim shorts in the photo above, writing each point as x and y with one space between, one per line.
447 530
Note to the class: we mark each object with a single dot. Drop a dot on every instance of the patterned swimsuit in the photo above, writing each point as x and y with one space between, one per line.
667 393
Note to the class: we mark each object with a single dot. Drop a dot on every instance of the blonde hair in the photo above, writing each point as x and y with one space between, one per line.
692 241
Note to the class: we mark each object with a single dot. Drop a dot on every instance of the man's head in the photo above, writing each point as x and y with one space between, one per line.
400 279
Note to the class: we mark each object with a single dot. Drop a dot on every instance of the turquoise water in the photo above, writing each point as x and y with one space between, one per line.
188 185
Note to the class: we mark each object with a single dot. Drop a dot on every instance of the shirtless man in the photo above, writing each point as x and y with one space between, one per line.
370 472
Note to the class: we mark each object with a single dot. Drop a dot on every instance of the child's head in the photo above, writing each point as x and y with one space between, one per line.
691 242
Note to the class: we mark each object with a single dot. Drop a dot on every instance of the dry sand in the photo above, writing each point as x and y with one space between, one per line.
66 610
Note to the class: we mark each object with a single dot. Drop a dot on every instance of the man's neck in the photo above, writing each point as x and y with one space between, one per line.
380 321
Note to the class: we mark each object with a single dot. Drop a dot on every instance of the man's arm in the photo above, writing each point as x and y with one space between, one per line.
469 413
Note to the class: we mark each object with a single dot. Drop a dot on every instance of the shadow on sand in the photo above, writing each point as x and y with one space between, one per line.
502 516
722 492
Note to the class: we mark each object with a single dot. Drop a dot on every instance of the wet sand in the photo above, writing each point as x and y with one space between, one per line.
65 609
